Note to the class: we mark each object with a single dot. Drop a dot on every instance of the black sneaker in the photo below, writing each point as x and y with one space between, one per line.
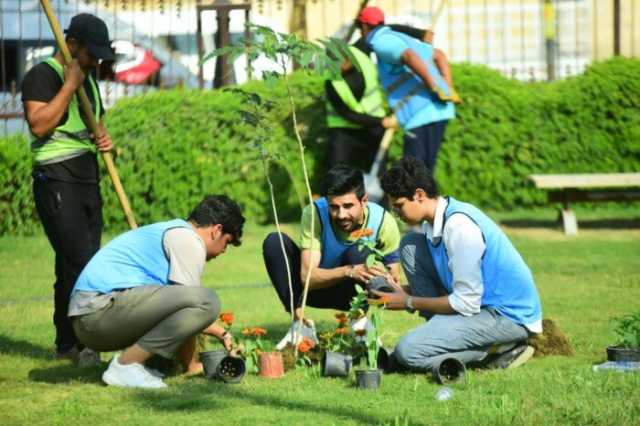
512 358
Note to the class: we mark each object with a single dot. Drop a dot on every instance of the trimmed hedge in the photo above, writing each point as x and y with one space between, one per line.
174 146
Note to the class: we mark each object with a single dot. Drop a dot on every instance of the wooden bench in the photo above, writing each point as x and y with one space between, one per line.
587 187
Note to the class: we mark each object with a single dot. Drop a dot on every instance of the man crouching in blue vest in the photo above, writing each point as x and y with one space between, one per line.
464 276
342 217
142 292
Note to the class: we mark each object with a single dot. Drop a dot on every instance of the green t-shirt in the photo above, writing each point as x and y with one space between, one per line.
388 235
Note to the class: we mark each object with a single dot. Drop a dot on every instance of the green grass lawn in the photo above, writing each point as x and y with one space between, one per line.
583 281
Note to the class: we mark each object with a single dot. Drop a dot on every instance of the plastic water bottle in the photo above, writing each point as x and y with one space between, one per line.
445 393
624 366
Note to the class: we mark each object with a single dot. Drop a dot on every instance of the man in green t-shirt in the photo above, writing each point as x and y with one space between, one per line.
342 218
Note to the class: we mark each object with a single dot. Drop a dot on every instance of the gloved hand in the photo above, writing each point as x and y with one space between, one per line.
455 98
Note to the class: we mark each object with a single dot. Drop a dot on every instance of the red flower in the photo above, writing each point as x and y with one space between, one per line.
342 318
227 318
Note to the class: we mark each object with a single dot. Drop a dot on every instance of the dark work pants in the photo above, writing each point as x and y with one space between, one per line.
71 215
354 147
335 297
424 142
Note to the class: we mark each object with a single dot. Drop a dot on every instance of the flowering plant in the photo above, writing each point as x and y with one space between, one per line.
304 349
251 345
338 340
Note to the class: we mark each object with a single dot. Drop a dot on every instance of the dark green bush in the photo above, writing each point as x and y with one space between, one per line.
174 146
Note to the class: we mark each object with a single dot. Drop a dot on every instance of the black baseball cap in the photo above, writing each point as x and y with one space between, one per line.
93 32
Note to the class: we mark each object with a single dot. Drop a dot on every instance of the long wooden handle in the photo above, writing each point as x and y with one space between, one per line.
88 113
382 150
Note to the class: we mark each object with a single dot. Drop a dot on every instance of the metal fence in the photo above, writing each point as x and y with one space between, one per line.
523 39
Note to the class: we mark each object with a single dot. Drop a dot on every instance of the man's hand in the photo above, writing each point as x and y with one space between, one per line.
227 341
363 274
73 74
390 122
102 140
395 301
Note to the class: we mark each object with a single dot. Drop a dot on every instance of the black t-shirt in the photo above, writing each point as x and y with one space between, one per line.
42 83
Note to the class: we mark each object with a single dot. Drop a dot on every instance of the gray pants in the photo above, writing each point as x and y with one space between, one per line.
468 338
158 318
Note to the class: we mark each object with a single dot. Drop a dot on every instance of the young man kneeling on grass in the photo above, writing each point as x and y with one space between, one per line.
465 277
343 217
142 293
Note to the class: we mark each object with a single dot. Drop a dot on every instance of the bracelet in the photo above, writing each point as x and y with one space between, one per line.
350 272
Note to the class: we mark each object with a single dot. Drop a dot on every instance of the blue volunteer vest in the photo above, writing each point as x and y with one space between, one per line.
413 104
332 247
508 283
133 259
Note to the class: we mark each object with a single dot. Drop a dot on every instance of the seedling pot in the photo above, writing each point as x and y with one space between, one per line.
368 379
336 364
380 284
449 370
210 361
231 369
622 354
271 365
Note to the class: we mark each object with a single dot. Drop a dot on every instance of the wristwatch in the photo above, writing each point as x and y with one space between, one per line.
408 305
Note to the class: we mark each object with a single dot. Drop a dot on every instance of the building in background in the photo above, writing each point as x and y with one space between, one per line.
524 39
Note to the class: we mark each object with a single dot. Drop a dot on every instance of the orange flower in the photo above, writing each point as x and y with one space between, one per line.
343 331
382 300
342 318
227 318
306 345
361 332
257 331
363 232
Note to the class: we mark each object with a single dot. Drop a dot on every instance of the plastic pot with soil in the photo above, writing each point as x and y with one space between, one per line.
210 361
623 354
271 365
336 364
231 369
368 379
449 370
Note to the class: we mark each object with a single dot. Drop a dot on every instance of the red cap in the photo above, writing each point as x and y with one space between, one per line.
371 15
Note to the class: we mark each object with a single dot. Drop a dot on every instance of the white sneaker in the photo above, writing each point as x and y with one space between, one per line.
297 332
155 373
360 324
130 375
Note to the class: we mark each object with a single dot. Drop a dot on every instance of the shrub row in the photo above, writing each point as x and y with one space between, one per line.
174 146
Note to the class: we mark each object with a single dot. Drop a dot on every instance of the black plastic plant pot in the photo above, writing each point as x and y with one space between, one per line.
384 360
231 369
380 284
449 370
210 361
368 379
336 364
622 354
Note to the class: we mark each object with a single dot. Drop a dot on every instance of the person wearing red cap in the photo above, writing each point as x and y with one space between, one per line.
65 169
417 92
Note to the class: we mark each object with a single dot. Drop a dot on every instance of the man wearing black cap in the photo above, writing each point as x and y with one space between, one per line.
65 168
